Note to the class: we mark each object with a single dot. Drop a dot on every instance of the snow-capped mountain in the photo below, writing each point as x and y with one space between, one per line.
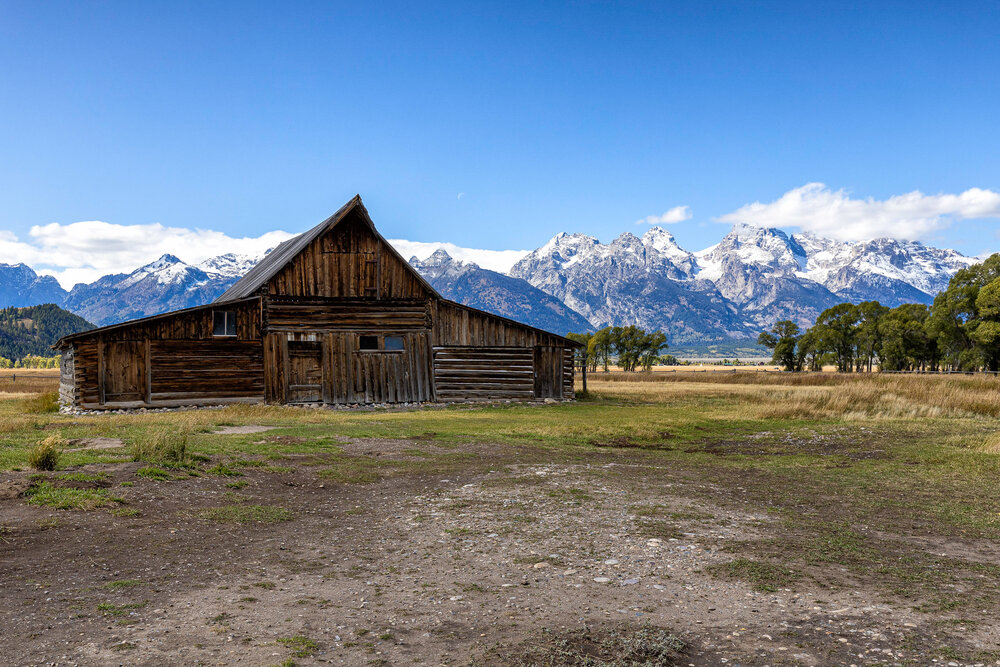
165 284
752 278
885 270
647 281
21 286
231 264
467 283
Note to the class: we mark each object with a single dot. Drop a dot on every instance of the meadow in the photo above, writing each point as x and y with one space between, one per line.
815 508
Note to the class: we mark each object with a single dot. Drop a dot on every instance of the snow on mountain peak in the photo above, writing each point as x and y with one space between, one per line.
230 265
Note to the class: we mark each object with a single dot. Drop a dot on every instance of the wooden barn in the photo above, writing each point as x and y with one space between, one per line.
334 315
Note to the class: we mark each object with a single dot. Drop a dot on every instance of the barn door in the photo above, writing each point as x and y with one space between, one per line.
305 372
548 372
124 372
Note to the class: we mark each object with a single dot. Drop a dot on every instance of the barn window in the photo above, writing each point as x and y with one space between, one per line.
380 343
224 323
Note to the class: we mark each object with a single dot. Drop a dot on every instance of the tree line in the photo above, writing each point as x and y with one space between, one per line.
633 348
960 331
31 361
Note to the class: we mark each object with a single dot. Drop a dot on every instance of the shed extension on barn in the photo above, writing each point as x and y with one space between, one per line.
334 315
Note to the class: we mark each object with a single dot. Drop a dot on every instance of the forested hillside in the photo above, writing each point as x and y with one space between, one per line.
34 329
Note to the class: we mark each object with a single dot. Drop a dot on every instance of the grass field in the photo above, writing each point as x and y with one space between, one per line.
839 489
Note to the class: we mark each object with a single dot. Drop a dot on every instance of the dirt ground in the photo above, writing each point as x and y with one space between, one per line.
494 558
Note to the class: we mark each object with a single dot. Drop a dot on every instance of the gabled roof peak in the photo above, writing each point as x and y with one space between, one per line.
288 250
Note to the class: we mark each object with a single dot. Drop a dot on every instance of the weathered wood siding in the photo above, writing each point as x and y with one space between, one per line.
548 371
476 347
467 327
67 378
317 314
188 370
347 261
171 360
569 373
193 324
333 369
483 373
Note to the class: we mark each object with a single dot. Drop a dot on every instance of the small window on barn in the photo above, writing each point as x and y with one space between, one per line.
368 343
224 323
393 343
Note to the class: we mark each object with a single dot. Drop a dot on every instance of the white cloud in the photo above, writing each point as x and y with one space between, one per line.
815 208
494 260
676 214
85 251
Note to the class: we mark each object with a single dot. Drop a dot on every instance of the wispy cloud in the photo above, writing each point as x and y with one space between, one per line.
816 208
494 260
85 251
676 214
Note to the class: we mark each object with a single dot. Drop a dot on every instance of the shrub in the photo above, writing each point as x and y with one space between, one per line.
45 455
164 444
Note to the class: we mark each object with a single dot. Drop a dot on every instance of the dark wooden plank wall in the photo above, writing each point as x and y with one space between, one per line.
190 325
194 370
171 360
302 314
548 371
347 261
350 375
461 326
483 373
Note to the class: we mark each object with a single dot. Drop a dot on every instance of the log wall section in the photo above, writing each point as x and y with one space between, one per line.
482 356
484 373
169 360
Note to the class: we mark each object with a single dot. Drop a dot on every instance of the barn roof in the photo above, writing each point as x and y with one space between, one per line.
286 251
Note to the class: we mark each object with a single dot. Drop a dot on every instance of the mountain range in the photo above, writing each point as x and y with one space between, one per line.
728 292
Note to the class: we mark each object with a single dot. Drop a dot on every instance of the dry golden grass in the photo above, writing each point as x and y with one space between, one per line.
992 443
818 396
15 382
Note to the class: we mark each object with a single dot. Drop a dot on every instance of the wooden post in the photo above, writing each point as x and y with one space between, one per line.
584 366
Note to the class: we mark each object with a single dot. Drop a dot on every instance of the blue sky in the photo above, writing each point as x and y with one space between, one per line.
495 126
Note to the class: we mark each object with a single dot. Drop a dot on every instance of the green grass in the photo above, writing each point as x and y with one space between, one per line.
763 576
301 646
247 514
151 472
119 610
223 470
47 495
